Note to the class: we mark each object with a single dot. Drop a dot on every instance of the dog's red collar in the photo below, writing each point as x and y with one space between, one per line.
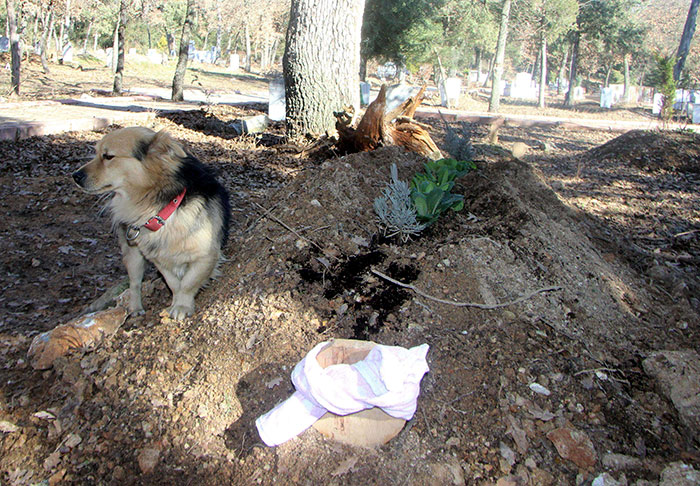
158 221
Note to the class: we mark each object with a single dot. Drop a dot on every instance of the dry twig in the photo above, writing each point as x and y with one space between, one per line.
464 304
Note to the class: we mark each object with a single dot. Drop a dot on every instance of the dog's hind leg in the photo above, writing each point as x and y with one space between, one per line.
186 285
135 265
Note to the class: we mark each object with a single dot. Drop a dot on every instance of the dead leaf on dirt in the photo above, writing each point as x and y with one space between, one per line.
345 467
518 434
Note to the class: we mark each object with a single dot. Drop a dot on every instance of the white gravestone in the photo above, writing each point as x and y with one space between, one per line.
234 62
277 109
696 113
523 87
364 93
607 96
68 53
657 104
453 87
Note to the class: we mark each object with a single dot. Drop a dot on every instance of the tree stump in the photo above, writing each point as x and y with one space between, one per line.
378 128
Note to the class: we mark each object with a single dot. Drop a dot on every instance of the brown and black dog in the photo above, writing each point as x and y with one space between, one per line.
166 207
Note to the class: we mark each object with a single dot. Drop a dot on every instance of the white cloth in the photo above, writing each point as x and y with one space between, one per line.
389 378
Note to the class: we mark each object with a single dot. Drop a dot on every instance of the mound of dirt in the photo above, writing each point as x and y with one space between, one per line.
654 150
536 330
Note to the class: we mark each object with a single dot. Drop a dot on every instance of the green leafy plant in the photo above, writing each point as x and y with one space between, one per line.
430 190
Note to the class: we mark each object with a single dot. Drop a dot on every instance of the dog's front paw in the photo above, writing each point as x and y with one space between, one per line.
180 312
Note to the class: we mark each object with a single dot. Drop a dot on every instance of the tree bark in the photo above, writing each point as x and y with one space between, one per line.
687 36
495 101
543 71
626 92
179 78
87 37
569 99
16 58
321 63
562 70
48 26
115 45
247 49
121 41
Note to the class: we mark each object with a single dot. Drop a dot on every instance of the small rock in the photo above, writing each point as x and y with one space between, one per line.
510 480
540 477
574 445
507 453
508 316
679 474
537 388
72 440
148 459
606 479
7 427
620 462
52 461
452 442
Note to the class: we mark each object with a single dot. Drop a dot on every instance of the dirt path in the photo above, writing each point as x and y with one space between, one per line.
174 403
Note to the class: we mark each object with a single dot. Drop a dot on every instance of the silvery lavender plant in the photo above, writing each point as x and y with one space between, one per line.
396 213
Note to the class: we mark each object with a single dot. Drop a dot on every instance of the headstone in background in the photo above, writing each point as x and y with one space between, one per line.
234 62
154 56
4 44
523 87
190 50
473 76
277 109
364 93
397 94
657 104
617 90
607 96
682 100
68 53
579 92
453 88
132 51
110 57
696 113
387 70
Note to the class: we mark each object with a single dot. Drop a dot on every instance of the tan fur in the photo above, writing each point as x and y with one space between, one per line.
186 250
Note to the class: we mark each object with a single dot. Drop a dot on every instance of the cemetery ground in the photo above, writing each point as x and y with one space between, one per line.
558 388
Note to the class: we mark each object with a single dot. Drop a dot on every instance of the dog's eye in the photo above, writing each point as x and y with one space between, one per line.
108 156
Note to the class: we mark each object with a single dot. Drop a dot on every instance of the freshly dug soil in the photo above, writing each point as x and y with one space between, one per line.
168 402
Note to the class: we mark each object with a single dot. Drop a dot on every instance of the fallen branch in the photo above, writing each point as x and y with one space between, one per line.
464 304
267 214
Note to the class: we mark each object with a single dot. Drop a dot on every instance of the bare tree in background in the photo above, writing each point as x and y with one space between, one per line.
121 31
14 45
688 32
495 101
179 78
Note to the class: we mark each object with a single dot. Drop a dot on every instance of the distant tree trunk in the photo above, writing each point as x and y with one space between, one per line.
94 44
489 73
608 70
562 71
543 71
87 37
121 41
16 58
115 45
179 78
495 101
319 80
626 92
569 99
219 21
247 49
170 40
48 27
687 36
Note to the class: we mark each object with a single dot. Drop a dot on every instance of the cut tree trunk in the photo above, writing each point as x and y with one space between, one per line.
378 128
179 77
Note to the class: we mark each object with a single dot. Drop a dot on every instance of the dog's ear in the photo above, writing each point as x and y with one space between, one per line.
161 146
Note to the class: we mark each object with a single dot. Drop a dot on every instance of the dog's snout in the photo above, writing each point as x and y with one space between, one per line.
79 177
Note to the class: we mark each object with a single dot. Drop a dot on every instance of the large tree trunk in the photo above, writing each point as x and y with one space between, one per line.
495 101
16 58
569 99
687 36
48 27
321 63
179 78
121 40
543 71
